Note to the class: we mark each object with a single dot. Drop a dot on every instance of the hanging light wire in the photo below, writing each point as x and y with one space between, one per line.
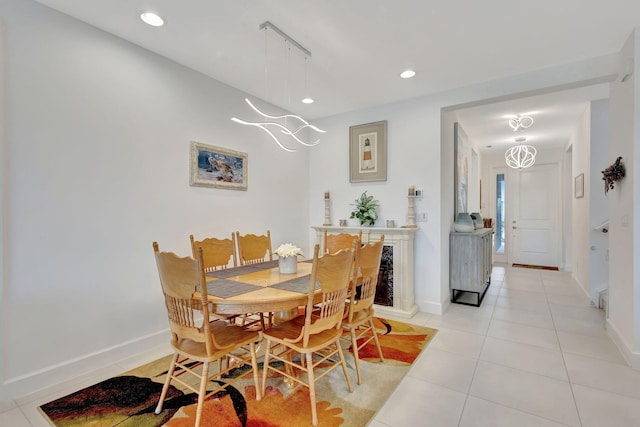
306 99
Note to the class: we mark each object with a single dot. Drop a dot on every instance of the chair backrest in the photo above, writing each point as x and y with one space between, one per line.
365 277
335 242
331 272
180 279
254 249
217 254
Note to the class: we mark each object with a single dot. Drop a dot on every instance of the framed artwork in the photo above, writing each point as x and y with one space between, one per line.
368 152
218 167
579 186
461 165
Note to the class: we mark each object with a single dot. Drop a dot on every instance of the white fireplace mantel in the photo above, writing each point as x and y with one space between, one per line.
401 239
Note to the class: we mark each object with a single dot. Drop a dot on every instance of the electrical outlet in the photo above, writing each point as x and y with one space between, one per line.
421 217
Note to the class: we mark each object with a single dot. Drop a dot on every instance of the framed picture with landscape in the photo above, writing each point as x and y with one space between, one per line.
218 167
368 152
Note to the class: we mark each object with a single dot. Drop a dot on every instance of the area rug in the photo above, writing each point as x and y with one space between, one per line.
539 267
129 400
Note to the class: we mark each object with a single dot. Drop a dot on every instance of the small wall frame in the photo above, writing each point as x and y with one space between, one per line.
579 186
368 152
218 167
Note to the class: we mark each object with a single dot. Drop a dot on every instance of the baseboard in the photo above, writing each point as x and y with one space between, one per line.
631 357
584 291
432 307
31 382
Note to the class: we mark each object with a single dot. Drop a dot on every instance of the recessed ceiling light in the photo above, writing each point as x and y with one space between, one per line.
152 19
407 74
307 100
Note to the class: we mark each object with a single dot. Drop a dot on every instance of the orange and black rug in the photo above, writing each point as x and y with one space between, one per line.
129 400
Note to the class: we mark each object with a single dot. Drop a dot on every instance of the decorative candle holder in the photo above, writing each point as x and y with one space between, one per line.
327 209
411 214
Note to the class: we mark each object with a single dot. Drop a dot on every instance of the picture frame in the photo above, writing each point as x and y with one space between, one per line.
461 167
218 167
368 152
579 186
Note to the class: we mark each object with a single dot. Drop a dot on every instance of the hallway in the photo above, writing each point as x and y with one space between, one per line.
533 354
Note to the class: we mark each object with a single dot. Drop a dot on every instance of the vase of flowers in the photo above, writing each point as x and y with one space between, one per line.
288 258
365 209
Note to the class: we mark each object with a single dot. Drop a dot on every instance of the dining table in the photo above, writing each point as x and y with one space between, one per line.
259 288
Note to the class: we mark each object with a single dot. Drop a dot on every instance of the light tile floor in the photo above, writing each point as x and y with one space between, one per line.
533 354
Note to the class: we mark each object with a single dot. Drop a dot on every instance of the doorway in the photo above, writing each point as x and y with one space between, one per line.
534 220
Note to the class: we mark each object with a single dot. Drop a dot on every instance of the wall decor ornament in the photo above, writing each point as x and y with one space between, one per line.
613 174
218 167
368 152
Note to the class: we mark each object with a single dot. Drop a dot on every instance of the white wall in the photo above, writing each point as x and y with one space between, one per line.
97 168
624 231
580 212
598 205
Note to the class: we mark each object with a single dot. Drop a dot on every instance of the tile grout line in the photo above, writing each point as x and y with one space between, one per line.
475 368
564 362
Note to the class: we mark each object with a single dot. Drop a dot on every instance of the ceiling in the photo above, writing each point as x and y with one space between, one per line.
359 47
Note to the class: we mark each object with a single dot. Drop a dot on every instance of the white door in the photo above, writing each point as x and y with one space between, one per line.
535 225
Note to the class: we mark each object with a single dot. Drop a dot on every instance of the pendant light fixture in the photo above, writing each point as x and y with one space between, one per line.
520 122
520 156
277 126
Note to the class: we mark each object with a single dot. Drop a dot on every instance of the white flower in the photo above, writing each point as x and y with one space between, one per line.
287 249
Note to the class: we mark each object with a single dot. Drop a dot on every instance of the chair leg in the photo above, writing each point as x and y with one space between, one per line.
375 337
254 366
265 366
202 392
312 389
356 357
344 365
165 388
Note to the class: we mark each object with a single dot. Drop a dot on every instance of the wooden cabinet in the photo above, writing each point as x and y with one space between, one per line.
470 265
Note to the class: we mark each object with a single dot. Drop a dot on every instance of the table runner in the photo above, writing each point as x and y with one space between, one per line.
299 284
236 271
228 288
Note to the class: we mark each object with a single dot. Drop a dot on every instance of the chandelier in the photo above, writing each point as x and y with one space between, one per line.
279 125
520 156
520 122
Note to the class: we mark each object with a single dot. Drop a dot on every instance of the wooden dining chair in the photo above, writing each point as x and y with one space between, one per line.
254 249
335 242
358 319
218 254
196 341
317 332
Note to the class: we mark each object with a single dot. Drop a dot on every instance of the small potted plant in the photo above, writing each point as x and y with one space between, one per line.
288 258
365 209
